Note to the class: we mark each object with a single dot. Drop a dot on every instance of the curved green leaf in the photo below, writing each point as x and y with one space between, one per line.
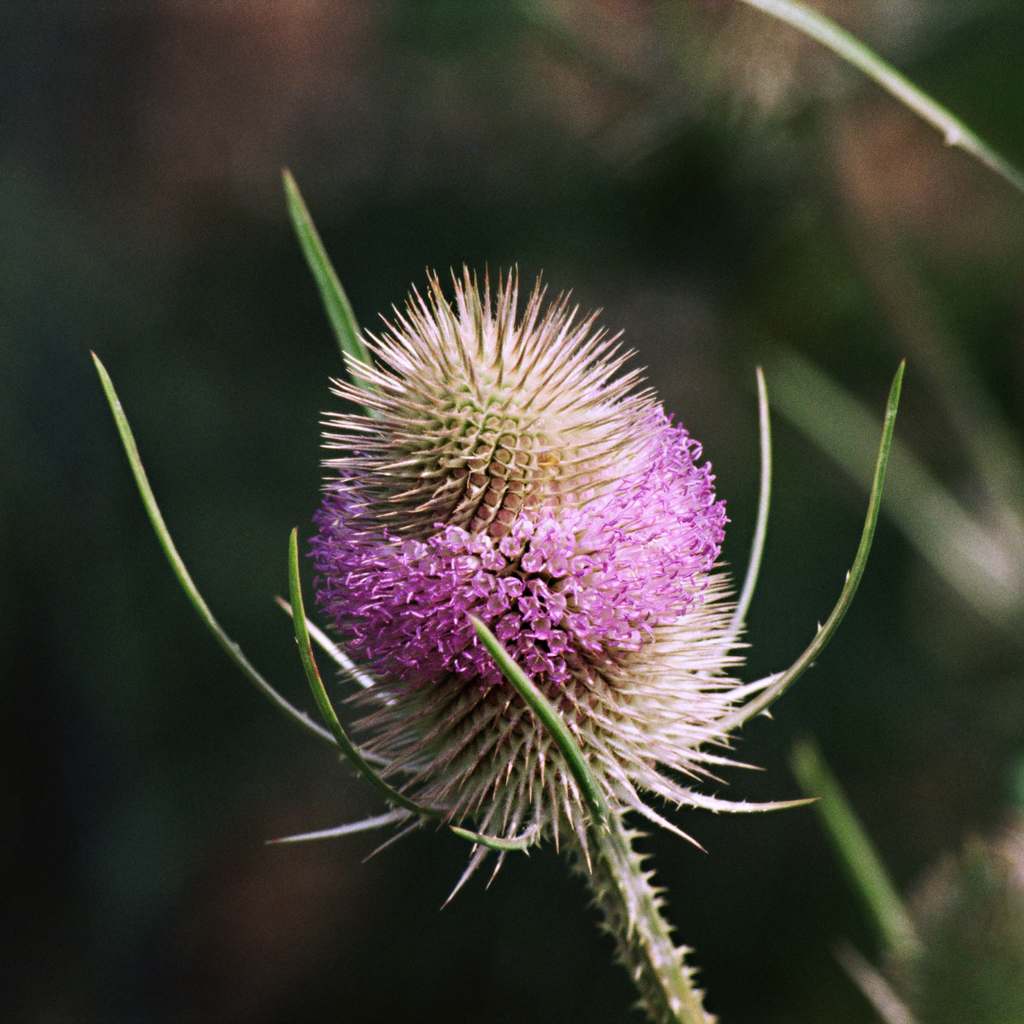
233 651
551 721
778 683
739 616
348 748
339 309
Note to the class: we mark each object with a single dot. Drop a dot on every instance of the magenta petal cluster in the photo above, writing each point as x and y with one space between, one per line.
566 589
510 471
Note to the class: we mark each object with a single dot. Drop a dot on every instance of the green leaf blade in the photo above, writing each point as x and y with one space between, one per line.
348 748
233 651
551 720
339 309
784 680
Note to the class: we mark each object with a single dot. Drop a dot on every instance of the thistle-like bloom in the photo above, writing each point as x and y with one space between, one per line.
509 470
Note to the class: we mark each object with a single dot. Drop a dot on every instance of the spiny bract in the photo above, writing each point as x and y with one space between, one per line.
508 470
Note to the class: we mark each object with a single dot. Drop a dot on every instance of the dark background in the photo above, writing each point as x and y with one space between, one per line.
721 188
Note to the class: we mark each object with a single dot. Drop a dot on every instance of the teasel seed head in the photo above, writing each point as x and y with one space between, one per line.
508 468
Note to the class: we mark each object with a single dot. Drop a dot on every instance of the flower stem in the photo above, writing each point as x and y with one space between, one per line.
632 913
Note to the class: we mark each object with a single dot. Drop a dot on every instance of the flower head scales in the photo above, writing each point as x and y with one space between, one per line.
510 471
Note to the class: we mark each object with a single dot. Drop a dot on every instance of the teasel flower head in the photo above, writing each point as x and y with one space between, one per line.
508 468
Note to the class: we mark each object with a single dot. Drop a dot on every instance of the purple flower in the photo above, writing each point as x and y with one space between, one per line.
511 472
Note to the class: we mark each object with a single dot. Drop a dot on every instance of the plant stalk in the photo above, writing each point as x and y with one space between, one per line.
632 913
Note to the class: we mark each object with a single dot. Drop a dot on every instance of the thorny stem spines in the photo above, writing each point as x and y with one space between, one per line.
631 907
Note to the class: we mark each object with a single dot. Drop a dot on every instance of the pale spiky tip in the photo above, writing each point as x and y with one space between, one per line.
512 473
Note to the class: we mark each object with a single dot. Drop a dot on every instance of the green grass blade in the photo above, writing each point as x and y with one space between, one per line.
233 651
858 855
839 41
339 309
784 679
551 721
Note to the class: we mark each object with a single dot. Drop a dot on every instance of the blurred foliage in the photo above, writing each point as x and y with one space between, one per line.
971 910
718 187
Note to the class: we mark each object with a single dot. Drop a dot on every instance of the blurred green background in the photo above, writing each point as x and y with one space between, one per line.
723 190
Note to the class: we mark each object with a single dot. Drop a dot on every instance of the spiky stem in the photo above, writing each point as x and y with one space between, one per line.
632 913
